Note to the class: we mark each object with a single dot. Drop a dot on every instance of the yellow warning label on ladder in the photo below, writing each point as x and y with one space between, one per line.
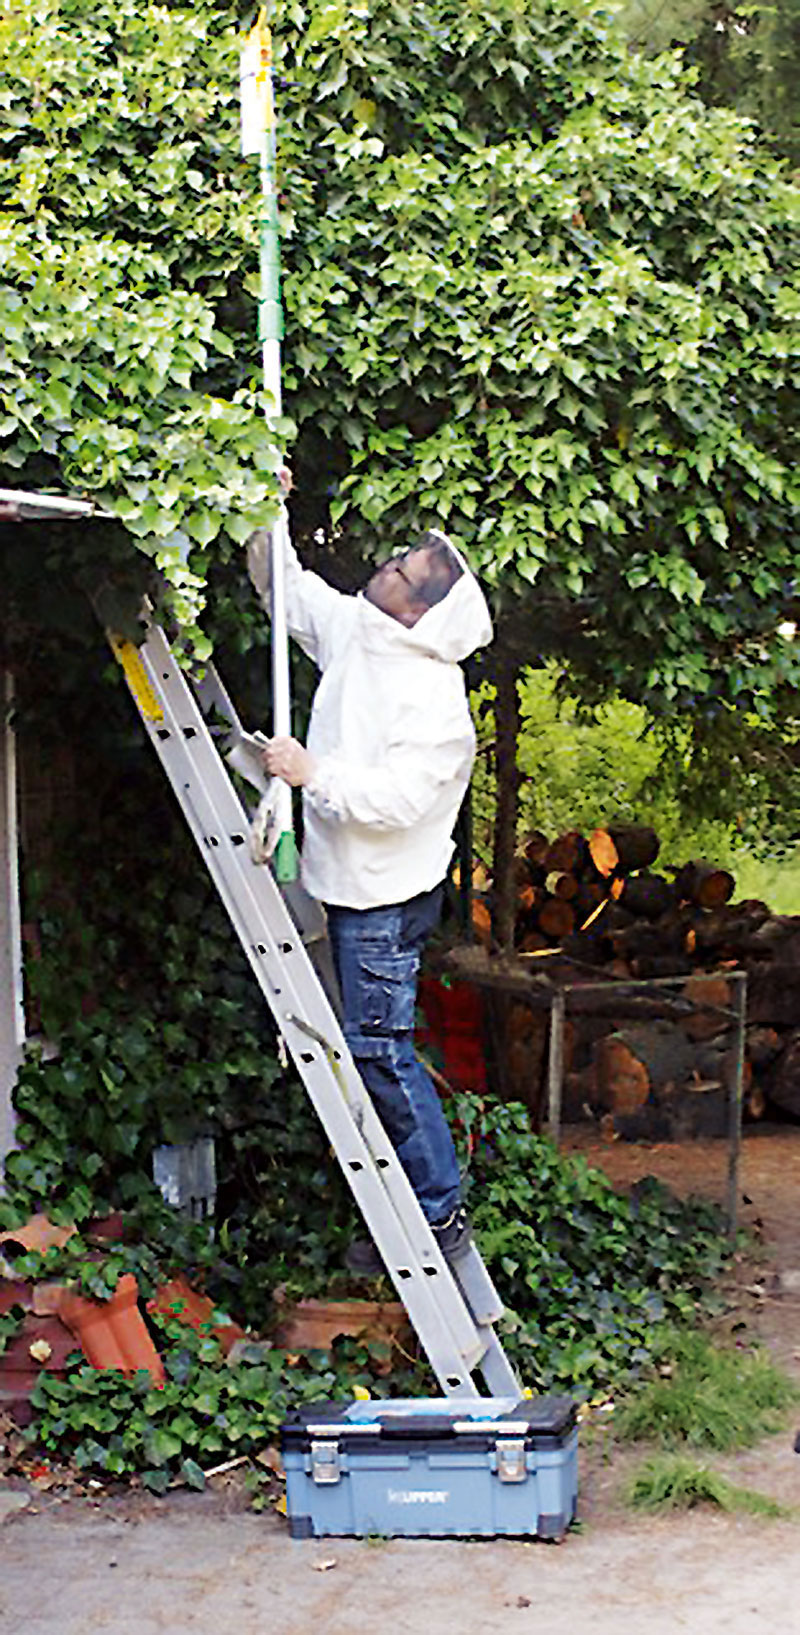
127 653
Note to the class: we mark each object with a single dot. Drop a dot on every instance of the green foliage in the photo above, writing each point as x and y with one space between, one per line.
10 1324
534 289
707 1397
596 265
746 56
580 769
587 1276
774 882
126 214
159 1022
727 791
205 1412
673 1482
162 1035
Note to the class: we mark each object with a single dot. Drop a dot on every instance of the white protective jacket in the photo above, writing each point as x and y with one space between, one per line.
390 733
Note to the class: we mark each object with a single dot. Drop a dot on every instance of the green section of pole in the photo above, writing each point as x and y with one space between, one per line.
284 859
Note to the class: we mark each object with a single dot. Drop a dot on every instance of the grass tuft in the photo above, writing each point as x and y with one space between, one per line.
711 1397
675 1482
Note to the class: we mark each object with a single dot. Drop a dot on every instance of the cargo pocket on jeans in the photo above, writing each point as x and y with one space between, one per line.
386 992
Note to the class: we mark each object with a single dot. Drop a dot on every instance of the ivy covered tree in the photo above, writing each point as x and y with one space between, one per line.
129 229
536 291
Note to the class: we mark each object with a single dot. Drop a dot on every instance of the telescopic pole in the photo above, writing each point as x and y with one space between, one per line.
259 136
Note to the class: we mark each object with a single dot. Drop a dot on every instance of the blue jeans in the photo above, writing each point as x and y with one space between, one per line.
376 952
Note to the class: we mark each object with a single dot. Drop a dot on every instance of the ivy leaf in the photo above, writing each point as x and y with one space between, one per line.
192 1475
156 1480
327 20
202 525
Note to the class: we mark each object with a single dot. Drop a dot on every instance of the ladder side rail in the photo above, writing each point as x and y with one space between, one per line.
181 740
499 1374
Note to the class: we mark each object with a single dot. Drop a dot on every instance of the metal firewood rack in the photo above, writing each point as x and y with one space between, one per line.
591 996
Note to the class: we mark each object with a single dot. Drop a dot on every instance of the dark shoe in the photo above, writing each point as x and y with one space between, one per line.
362 1258
454 1235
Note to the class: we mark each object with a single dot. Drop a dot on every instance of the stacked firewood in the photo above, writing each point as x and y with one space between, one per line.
656 1063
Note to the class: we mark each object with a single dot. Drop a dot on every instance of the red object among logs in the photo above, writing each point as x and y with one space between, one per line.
453 1026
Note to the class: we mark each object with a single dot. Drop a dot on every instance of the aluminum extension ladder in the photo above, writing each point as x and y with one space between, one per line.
453 1310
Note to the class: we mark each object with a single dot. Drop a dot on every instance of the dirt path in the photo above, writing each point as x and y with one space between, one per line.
203 1564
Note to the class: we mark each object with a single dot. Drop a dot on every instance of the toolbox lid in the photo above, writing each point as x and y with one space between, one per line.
474 1422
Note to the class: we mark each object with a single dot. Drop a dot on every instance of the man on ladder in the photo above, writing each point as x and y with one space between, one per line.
388 759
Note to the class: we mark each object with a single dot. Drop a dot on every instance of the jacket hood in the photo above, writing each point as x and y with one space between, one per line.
450 631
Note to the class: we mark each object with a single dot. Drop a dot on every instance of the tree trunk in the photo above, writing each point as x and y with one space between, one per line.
507 726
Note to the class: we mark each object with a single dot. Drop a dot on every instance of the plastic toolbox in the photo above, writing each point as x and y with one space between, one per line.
434 1466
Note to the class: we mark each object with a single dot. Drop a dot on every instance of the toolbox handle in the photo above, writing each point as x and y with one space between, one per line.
418 1426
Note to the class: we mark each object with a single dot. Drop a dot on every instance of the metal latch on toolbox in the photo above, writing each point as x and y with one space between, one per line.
511 1465
325 1463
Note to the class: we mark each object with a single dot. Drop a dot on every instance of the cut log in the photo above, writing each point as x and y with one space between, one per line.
588 947
580 1091
621 1079
529 898
784 1079
603 852
755 1102
778 937
704 884
763 1045
556 918
622 1004
640 1060
525 874
590 894
647 896
623 847
773 995
639 941
715 1064
521 1021
565 886
712 996
739 931
519 1043
536 847
658 966
567 854
717 931
526 920
481 923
